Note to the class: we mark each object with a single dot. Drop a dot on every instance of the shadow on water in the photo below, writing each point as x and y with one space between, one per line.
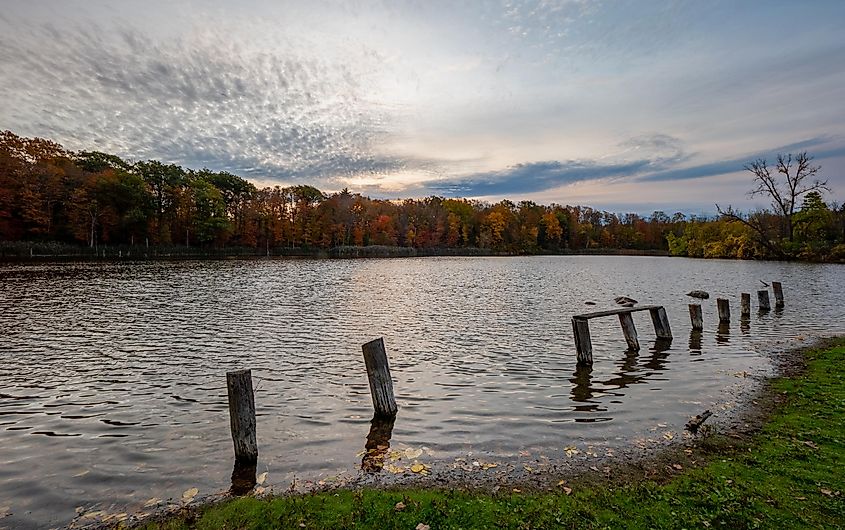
243 478
378 444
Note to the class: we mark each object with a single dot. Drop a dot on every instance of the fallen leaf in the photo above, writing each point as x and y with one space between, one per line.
399 506
413 453
489 465
152 502
189 494
571 450
417 468
260 490
561 483
261 478
826 492
516 490
678 466
811 445
422 527
568 491
668 435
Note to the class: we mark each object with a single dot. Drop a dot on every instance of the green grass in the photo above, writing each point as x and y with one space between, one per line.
790 475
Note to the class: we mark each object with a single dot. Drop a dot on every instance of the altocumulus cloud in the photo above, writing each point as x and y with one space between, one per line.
198 101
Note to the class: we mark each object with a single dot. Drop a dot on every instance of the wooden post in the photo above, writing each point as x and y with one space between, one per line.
661 323
724 307
583 344
630 332
695 317
763 299
745 305
378 372
242 416
778 289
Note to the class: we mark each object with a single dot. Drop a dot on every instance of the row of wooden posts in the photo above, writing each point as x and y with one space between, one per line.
242 397
242 404
723 306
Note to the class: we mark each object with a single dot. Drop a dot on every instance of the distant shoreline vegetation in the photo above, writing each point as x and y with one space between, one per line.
63 204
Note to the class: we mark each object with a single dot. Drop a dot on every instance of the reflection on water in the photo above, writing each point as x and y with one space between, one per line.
378 443
723 335
695 337
112 376
243 478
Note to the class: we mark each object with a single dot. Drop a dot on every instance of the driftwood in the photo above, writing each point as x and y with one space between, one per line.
695 423
703 295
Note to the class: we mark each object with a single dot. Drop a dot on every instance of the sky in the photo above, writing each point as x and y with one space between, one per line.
620 105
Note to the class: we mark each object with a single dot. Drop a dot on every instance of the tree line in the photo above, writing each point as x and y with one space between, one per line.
48 193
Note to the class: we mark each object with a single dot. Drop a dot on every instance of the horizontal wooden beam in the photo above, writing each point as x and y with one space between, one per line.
620 311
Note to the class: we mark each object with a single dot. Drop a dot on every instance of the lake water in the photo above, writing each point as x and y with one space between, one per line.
112 375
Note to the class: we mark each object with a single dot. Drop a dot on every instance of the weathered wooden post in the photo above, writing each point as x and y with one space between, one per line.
763 300
778 289
630 332
378 372
696 317
724 307
242 416
583 344
661 323
745 305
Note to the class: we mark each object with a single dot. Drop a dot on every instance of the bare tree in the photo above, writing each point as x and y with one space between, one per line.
785 185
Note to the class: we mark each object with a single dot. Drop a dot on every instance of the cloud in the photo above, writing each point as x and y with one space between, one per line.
734 165
197 100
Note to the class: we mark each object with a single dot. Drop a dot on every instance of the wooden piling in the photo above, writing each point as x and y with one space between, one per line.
778 289
242 416
763 300
626 320
378 372
583 344
724 307
696 317
745 305
661 323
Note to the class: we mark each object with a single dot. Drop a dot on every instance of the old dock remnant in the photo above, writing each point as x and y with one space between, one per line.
745 305
724 307
581 328
695 317
242 417
778 289
378 372
763 300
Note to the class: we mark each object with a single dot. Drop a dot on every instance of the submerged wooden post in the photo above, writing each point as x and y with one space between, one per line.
745 305
724 307
630 332
378 372
583 344
696 317
242 416
778 289
763 299
661 323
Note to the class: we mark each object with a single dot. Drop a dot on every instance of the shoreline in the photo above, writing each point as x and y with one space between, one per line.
135 254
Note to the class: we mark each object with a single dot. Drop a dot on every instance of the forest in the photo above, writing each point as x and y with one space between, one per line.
92 199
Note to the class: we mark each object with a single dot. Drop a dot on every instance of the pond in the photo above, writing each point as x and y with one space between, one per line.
112 375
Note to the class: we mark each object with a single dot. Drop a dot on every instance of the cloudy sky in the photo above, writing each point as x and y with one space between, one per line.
624 105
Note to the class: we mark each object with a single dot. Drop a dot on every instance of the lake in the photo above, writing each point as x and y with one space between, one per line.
112 375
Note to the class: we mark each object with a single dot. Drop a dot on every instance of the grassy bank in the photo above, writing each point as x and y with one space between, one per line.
789 475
